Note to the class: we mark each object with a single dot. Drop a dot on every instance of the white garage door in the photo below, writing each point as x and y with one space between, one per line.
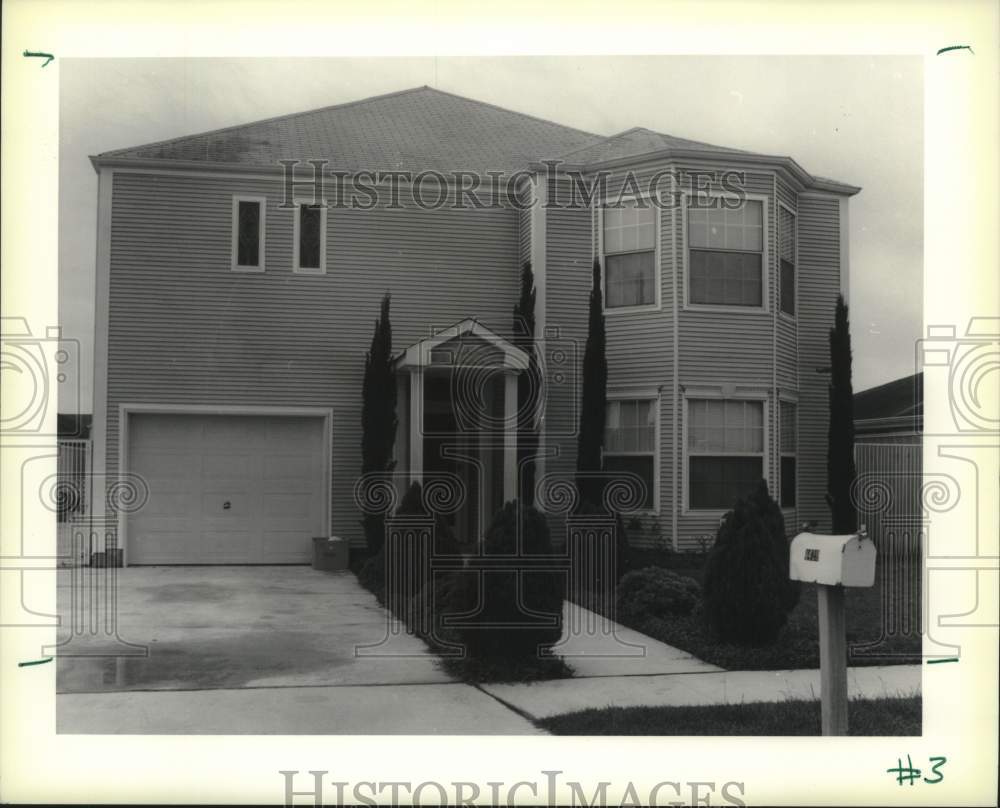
227 489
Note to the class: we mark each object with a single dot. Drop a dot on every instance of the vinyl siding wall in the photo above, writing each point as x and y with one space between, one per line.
819 285
185 329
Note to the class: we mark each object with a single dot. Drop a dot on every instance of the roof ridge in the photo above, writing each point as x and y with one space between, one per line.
604 139
283 117
512 111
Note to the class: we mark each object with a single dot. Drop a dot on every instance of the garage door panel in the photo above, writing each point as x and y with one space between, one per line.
283 547
270 469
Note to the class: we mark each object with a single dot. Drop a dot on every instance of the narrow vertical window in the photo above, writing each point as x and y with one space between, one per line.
310 235
786 239
248 233
789 450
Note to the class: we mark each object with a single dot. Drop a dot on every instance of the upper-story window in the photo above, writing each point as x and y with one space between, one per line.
248 233
726 254
725 447
629 239
310 238
786 250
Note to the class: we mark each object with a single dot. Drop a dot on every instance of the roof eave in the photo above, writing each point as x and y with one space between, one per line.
787 164
100 161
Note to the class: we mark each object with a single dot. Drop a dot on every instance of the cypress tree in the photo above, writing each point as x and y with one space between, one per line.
528 383
593 400
840 468
378 416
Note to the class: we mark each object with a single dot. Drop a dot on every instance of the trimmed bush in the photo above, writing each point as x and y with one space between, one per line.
530 599
746 580
655 592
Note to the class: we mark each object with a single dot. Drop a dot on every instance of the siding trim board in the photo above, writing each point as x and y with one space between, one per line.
125 410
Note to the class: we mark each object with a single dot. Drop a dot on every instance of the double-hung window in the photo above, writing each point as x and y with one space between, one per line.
248 234
788 412
725 253
725 450
786 250
629 239
310 238
630 442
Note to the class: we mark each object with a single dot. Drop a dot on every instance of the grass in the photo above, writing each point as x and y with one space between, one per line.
881 716
797 645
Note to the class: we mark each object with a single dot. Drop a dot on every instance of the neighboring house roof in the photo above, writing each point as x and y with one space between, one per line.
424 129
416 130
894 406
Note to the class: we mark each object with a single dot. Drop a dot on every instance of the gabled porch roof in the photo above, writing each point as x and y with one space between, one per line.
467 343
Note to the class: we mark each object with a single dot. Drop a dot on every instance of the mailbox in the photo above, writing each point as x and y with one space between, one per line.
847 560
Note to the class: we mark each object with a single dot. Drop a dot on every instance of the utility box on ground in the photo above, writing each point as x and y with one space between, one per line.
330 553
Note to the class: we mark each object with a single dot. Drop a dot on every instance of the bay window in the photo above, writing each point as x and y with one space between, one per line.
726 254
725 447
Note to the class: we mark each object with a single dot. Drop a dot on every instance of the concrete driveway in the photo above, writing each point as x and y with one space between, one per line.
258 650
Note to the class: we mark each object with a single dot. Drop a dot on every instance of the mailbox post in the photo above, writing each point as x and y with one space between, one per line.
833 563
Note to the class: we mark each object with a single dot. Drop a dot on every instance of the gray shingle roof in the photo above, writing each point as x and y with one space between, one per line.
418 129
638 141
425 129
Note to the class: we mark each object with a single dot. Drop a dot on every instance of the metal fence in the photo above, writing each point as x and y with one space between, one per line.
73 472
888 492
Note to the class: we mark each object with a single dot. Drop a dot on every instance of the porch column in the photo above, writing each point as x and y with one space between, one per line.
416 425
510 436
402 447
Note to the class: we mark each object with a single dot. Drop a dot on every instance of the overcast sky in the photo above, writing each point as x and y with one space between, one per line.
853 118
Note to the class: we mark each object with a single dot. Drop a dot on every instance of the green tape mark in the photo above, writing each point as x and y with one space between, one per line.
956 47
34 662
47 56
939 661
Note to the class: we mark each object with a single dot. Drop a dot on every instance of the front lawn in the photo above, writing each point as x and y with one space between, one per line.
882 716
797 645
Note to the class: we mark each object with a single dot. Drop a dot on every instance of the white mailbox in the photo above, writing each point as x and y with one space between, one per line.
846 560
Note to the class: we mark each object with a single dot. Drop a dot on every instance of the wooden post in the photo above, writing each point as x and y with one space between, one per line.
832 659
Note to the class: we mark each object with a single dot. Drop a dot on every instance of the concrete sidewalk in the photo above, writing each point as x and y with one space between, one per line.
615 666
558 696
398 709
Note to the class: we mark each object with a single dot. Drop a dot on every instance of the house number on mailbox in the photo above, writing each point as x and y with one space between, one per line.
812 554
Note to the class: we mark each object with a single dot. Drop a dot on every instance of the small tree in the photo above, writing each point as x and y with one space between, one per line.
378 416
593 399
528 383
840 468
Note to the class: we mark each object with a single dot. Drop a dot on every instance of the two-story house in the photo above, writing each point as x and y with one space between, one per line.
234 311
